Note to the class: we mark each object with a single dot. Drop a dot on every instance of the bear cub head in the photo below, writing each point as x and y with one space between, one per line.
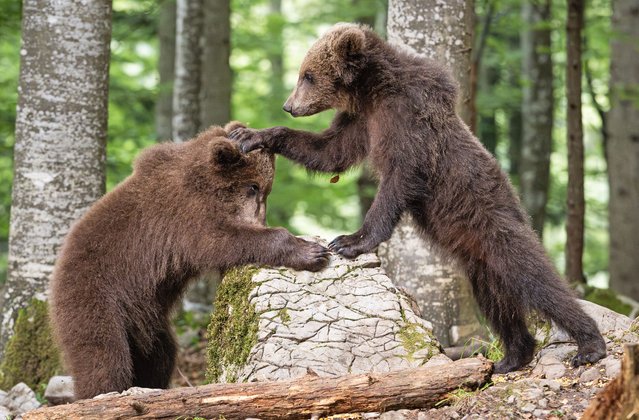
329 70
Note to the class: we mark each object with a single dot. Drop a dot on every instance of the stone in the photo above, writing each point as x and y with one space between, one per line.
21 399
399 415
3 396
59 390
606 319
543 403
549 367
5 413
590 374
550 384
612 366
540 414
528 408
347 318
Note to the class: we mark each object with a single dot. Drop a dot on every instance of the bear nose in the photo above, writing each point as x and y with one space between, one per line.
287 108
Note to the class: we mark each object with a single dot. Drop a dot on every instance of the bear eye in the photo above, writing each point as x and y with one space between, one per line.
253 190
308 77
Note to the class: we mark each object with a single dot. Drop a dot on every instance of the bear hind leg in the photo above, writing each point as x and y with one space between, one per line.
153 366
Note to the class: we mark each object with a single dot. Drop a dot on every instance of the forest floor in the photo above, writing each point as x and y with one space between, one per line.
547 389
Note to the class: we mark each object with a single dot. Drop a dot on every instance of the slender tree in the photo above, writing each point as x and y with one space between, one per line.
60 137
442 292
188 65
623 148
215 96
575 200
166 69
537 109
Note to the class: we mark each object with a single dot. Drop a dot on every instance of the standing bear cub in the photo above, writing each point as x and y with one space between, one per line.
399 110
187 208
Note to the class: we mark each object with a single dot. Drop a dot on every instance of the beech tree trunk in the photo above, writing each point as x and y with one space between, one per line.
537 109
575 199
623 149
188 65
444 295
59 154
215 97
166 69
300 398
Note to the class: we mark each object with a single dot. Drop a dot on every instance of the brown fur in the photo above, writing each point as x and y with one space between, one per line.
186 209
398 110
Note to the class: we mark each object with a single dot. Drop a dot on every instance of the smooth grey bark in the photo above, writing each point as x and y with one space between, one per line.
166 70
59 154
444 295
215 95
537 109
188 65
623 149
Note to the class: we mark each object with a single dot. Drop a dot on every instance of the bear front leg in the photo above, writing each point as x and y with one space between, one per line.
242 245
380 220
334 150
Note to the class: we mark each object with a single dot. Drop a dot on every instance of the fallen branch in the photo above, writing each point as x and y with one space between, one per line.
298 398
620 398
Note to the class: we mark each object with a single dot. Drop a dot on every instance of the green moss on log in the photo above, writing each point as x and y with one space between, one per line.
232 332
31 355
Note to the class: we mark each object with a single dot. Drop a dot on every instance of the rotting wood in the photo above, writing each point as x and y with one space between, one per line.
300 398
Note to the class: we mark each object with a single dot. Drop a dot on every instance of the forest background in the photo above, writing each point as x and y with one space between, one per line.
268 39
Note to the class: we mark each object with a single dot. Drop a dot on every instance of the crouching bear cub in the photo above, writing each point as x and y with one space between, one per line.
399 110
187 208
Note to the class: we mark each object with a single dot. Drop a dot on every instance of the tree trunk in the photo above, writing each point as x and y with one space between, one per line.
436 285
302 398
275 57
166 69
537 107
623 148
188 64
215 97
59 155
575 200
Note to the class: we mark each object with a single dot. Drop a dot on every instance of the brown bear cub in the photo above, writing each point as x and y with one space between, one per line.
399 110
187 208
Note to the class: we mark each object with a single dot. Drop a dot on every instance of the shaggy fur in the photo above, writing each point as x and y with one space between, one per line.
186 209
398 110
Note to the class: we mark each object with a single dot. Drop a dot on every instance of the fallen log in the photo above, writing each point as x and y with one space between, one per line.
620 398
299 398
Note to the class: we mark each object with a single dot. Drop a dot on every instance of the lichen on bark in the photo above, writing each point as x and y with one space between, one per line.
31 355
232 332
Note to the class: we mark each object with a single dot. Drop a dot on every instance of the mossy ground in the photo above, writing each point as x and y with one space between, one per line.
232 332
30 356
607 298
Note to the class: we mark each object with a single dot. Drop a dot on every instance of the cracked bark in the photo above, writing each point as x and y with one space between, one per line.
59 153
439 287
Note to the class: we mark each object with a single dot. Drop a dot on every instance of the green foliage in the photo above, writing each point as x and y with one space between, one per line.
30 356
232 332
261 35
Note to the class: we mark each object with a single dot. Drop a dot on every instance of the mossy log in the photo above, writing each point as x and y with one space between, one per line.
620 398
298 398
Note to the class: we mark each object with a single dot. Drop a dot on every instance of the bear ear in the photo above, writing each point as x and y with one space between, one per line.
350 43
225 155
232 125
349 48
